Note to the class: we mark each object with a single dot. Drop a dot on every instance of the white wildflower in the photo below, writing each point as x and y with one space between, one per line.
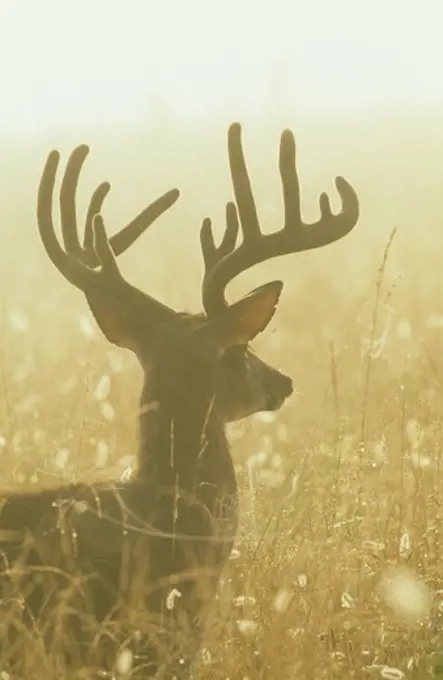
172 598
282 600
124 662
247 626
103 388
107 410
61 458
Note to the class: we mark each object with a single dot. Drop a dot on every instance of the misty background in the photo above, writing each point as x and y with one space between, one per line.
152 88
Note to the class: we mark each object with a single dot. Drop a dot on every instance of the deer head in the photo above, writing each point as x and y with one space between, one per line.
217 341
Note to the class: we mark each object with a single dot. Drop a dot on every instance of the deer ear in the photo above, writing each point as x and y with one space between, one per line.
116 321
237 324
244 319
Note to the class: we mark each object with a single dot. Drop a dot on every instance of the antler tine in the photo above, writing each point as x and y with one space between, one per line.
67 201
94 208
103 250
295 236
131 232
211 253
120 241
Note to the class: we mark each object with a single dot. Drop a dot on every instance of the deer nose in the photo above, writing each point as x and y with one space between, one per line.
282 389
287 386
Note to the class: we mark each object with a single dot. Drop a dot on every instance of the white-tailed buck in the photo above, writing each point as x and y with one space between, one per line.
136 563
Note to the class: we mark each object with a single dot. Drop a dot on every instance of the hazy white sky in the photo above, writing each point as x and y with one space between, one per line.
65 62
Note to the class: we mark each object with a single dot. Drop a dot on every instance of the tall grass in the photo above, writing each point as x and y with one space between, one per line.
337 568
336 572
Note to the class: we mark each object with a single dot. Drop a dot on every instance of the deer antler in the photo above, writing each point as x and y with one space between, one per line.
76 264
120 241
225 262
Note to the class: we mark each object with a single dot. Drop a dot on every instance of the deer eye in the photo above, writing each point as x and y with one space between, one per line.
239 351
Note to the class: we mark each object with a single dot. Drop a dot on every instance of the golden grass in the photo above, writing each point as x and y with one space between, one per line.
337 568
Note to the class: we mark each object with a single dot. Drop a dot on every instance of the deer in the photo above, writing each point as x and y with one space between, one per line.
151 549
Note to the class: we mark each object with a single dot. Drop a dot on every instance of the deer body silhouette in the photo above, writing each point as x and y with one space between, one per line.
151 550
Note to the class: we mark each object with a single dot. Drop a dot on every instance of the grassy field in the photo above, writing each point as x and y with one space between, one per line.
337 570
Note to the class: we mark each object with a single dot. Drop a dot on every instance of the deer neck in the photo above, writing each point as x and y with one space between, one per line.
183 443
